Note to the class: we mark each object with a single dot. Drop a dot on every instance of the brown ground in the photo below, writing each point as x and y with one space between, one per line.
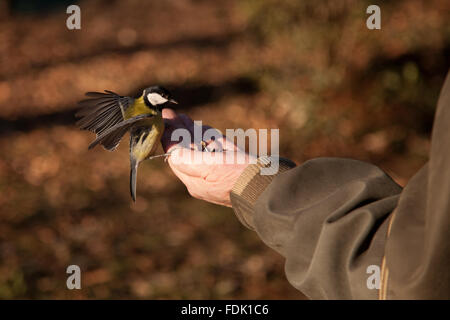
333 88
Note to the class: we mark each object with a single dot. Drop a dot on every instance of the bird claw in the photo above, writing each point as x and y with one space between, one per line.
204 146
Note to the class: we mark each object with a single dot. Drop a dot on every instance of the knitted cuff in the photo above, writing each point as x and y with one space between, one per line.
251 183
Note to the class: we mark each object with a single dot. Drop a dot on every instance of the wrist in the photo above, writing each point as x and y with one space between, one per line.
252 182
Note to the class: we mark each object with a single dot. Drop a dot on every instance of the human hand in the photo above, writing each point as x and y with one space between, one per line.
206 175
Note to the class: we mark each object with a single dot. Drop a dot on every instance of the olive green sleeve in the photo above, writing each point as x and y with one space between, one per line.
336 220
251 184
417 263
327 217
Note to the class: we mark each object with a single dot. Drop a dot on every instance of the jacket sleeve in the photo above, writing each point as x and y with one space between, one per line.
417 261
336 219
328 217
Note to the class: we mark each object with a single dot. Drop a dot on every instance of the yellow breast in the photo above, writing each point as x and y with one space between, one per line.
137 108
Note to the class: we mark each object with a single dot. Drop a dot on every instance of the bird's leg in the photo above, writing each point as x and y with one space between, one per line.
165 155
158 156
204 146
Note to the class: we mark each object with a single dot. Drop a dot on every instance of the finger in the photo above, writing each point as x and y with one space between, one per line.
166 139
168 113
187 121
192 128
199 189
172 122
229 145
190 124
188 162
176 138
171 118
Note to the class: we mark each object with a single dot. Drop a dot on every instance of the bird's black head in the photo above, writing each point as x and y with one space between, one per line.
157 97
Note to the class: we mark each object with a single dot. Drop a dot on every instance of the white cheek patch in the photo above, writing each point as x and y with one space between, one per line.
156 99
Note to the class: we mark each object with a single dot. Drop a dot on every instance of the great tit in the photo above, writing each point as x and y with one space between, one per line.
110 116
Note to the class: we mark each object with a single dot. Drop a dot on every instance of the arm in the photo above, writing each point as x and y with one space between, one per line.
327 217
345 215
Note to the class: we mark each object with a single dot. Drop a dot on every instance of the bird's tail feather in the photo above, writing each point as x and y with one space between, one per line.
133 176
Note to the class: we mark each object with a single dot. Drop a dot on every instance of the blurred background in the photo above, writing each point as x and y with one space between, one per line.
310 68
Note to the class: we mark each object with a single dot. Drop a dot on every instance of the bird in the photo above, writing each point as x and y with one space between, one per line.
110 116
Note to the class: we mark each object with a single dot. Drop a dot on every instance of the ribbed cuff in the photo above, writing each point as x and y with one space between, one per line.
251 183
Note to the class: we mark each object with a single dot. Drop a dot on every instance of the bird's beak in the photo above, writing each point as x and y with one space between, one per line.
173 101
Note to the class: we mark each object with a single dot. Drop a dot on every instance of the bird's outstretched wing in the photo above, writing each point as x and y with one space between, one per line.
111 137
101 112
